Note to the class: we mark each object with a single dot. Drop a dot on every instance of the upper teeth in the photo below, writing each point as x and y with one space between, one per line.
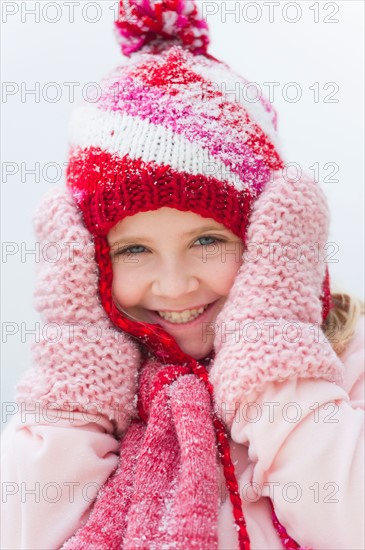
183 316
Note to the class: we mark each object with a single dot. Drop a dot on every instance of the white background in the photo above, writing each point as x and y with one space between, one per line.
312 130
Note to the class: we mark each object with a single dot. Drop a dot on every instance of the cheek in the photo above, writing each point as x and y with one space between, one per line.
224 272
127 288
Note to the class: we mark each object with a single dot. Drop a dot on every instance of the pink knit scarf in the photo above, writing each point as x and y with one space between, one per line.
165 492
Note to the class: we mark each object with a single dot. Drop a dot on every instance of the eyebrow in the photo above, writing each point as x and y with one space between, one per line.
187 234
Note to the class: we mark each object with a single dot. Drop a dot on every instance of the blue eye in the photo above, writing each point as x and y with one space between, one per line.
129 249
214 239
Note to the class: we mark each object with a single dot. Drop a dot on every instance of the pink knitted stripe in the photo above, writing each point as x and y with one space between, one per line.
234 85
245 149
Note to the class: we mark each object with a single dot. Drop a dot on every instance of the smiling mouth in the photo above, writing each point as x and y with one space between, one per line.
186 316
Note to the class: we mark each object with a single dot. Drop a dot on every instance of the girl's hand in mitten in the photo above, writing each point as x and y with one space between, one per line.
270 327
82 362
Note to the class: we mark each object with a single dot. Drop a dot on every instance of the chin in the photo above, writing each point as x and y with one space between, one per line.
198 351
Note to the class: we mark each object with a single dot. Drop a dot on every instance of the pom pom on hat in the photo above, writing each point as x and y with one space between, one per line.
154 23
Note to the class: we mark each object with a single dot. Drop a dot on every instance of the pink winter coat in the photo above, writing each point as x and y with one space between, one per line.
300 440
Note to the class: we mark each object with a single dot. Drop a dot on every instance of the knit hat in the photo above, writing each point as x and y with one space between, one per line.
163 133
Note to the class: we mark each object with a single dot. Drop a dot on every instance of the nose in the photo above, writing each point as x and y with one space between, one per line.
174 280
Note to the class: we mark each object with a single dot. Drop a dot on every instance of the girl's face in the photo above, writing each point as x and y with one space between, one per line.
167 263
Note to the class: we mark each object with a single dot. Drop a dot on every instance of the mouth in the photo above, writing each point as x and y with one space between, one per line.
187 318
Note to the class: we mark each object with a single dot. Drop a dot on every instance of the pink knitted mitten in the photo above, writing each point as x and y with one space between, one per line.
81 361
270 327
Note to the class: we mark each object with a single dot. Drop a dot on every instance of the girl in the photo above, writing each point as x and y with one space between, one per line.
199 386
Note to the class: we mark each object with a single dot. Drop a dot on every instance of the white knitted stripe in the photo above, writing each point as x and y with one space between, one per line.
234 89
140 139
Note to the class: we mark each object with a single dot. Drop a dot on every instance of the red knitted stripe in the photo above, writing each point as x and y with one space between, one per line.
108 188
171 75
